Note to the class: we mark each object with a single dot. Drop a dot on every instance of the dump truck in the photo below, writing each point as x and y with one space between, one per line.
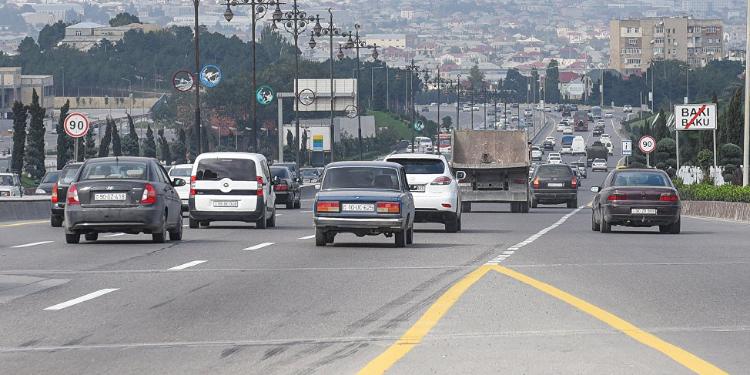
492 167
597 150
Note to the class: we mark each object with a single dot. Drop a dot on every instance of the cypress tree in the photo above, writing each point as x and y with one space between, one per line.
116 144
89 148
149 145
34 153
131 143
20 114
106 139
179 148
166 155
64 142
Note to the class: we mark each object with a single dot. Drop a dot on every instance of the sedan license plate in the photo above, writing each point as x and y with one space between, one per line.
358 207
417 188
643 211
226 203
109 196
555 184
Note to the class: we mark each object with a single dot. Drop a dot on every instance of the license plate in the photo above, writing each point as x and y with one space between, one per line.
109 196
358 207
417 188
226 203
643 211
555 184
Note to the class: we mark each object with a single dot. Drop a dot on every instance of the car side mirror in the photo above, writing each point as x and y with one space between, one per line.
317 186
595 189
177 182
460 175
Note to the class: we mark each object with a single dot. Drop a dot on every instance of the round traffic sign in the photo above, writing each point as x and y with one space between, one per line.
647 144
418 126
264 95
210 76
183 81
351 111
306 97
76 125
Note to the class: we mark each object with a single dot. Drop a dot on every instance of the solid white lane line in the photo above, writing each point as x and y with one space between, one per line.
279 215
259 246
511 250
187 265
115 235
307 211
78 300
307 237
32 244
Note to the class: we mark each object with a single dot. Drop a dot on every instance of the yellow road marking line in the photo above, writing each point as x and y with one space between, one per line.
419 330
18 224
678 354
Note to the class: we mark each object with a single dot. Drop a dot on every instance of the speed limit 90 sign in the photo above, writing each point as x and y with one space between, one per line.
76 125
647 144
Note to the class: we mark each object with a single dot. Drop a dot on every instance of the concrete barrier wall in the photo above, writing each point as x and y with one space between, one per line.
27 208
722 210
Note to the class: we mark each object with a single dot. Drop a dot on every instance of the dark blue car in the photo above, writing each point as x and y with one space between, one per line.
364 198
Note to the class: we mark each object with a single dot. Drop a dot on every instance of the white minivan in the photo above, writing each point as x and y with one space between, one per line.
578 147
232 186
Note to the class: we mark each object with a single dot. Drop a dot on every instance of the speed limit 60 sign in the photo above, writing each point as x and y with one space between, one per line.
76 125
647 144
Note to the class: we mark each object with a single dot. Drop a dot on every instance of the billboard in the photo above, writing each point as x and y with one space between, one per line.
315 94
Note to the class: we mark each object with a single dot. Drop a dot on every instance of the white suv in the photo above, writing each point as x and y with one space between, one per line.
182 171
435 190
232 186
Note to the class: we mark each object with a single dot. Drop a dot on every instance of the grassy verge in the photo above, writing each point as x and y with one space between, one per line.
387 120
707 192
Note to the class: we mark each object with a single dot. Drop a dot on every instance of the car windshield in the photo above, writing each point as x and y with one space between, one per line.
219 169
68 174
180 172
556 170
6 180
280 172
309 173
421 166
366 178
130 170
637 178
51 178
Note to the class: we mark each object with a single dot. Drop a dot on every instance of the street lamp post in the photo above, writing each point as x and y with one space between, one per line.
458 101
330 31
258 10
294 22
413 68
355 42
197 124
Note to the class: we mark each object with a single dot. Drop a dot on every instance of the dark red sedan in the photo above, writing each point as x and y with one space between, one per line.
636 198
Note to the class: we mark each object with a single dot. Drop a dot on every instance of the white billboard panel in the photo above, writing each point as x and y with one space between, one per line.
344 91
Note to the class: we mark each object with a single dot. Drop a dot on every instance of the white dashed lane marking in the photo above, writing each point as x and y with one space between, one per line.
258 246
32 244
187 265
78 300
307 237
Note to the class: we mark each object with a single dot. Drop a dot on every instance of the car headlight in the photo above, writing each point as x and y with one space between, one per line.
40 191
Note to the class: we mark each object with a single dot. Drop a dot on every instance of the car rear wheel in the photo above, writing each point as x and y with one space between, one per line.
594 224
523 207
271 222
261 223
56 221
671 228
451 225
320 237
573 203
290 203
604 226
176 233
400 238
410 235
193 224
534 203
161 235
72 238
298 203
91 236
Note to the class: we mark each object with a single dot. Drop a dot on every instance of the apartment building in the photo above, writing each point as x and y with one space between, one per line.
634 43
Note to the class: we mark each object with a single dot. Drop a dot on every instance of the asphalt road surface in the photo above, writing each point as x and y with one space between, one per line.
536 293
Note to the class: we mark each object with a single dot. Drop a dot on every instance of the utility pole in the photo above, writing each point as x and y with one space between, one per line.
458 101
197 123
746 141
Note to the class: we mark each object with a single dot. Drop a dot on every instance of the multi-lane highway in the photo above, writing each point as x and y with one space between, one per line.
511 293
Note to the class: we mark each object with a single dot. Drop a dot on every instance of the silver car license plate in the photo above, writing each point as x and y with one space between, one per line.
358 207
643 211
555 184
226 203
417 188
109 196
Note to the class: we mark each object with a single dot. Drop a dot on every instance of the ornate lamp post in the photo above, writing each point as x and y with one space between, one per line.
294 22
412 69
354 42
330 31
258 9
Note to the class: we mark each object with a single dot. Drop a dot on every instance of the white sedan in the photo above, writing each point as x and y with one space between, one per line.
568 130
607 114
561 127
599 165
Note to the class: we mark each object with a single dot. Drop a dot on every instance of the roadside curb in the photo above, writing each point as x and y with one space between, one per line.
731 211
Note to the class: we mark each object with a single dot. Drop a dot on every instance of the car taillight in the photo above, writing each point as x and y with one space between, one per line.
388 207
260 185
55 198
149 194
616 197
192 186
536 182
281 187
72 197
327 206
442 180
573 182
669 197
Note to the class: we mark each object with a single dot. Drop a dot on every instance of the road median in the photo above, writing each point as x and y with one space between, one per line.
24 208
737 211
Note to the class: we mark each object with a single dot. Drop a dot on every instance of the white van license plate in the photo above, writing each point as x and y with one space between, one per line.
358 207
226 203
643 211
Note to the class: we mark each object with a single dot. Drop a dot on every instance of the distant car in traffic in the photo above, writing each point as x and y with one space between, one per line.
435 190
292 167
627 108
554 158
182 171
607 114
554 184
568 130
599 165
10 185
286 187
536 153
636 198
561 126
60 192
580 166
48 182
364 198
311 175
232 186
123 194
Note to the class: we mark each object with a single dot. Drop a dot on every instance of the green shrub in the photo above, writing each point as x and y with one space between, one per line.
707 192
